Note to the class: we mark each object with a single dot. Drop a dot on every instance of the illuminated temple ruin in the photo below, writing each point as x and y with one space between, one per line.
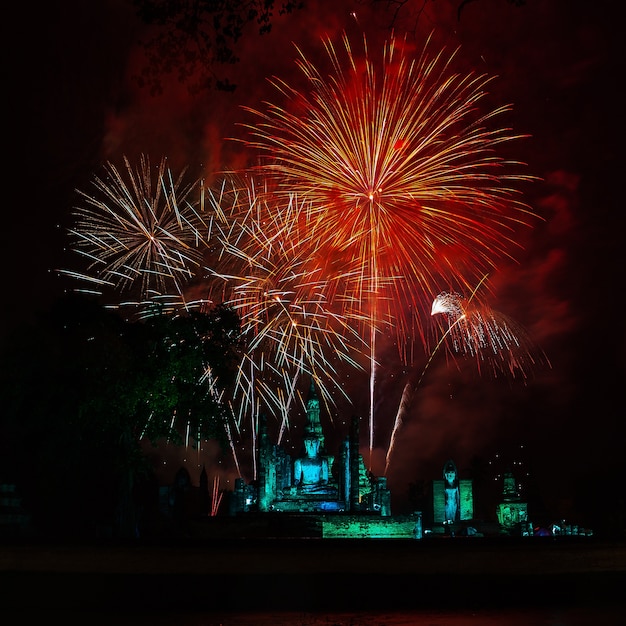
319 494
336 491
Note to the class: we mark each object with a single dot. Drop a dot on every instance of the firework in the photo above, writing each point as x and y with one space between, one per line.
243 248
407 397
286 296
401 169
402 174
139 230
380 182
216 495
146 233
497 343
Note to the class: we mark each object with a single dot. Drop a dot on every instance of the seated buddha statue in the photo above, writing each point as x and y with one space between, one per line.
311 472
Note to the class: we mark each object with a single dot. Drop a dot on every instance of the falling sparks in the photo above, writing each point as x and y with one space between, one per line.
267 272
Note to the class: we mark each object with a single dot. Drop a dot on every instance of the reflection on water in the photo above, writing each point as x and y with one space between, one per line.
553 616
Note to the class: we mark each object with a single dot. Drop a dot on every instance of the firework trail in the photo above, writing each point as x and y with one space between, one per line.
407 397
139 230
402 174
216 496
473 329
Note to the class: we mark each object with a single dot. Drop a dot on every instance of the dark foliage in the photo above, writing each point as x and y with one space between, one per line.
415 8
194 37
517 3
79 387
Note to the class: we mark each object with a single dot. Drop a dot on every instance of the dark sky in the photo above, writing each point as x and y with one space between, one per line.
72 105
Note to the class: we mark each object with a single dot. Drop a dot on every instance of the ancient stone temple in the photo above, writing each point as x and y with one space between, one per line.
315 481
512 512
453 498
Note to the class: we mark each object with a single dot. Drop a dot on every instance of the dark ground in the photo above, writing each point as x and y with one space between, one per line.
309 575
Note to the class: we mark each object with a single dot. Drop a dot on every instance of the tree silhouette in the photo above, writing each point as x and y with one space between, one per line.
194 37
82 386
415 8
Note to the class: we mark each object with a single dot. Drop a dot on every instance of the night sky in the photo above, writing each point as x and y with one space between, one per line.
73 105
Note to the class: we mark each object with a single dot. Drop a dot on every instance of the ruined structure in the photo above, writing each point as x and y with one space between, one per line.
453 498
512 512
314 482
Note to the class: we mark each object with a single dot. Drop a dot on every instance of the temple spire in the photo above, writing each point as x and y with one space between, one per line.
313 426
